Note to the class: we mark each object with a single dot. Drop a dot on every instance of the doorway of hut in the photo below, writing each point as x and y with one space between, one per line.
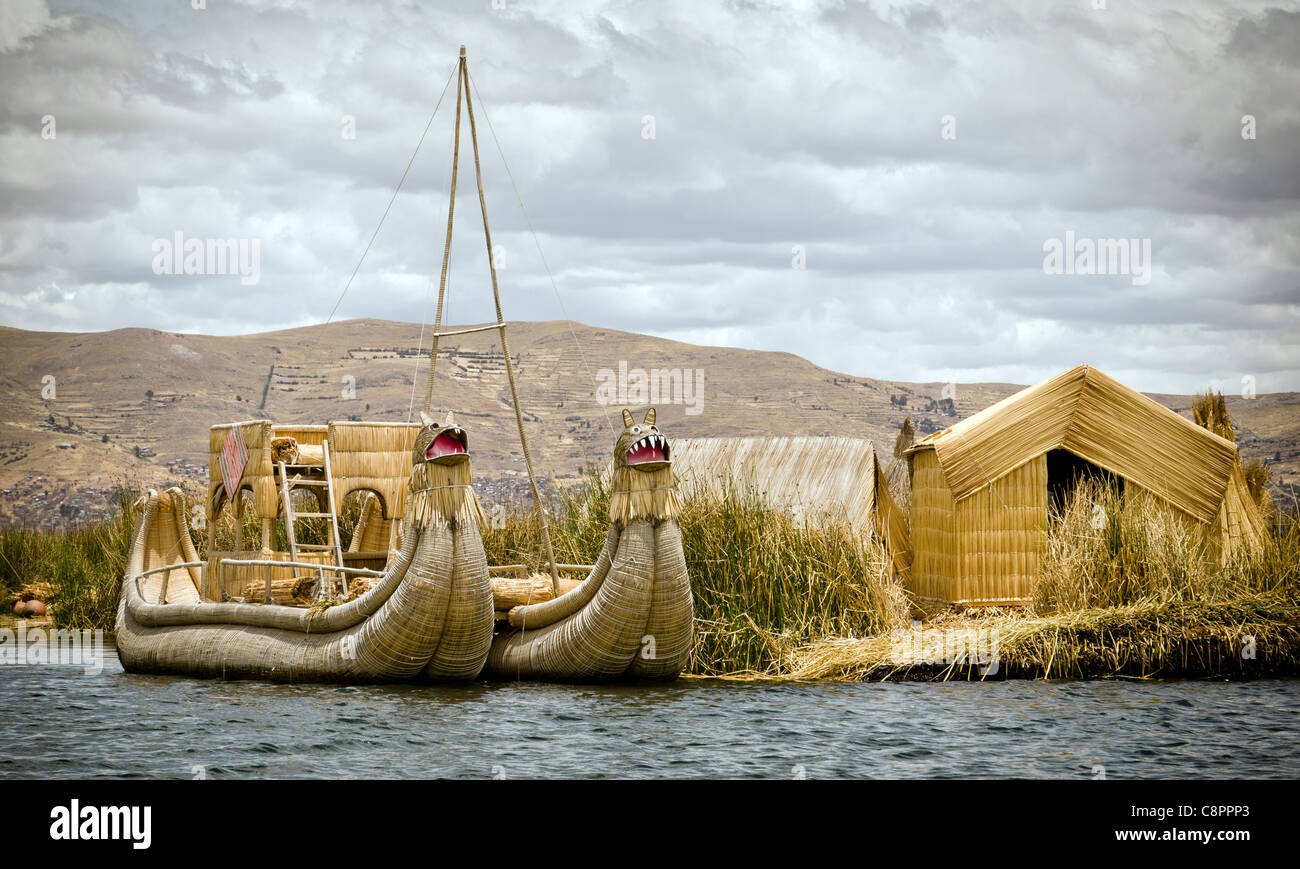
1065 471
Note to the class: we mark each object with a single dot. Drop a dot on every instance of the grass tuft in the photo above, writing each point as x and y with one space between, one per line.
81 565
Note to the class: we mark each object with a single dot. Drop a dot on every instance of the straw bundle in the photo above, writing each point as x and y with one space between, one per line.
283 449
289 451
295 591
512 591
358 586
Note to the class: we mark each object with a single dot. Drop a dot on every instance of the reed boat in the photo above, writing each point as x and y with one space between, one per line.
411 596
633 616
426 616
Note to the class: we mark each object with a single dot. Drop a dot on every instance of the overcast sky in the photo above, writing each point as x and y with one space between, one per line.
920 157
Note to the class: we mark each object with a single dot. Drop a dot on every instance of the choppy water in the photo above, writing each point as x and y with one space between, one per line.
61 722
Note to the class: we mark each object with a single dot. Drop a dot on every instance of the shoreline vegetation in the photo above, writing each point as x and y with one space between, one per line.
1128 589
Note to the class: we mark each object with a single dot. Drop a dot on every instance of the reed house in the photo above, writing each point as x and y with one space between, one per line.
983 490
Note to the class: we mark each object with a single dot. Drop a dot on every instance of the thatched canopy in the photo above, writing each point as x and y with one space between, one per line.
814 478
1101 421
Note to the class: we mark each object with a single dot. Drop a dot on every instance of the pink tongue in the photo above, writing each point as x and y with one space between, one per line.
647 454
443 445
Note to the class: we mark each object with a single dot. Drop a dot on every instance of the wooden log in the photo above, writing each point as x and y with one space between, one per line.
511 591
295 591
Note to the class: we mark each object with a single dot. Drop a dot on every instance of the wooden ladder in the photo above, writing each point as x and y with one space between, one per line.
332 527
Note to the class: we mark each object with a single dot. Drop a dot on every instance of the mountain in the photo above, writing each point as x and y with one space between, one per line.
84 412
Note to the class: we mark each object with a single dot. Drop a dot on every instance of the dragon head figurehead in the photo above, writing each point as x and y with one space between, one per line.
643 485
441 474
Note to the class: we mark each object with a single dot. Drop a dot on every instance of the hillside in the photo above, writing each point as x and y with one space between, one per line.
135 404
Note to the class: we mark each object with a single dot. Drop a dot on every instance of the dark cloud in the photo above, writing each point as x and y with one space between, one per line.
809 126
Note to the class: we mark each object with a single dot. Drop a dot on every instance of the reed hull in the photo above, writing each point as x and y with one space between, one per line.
428 618
633 618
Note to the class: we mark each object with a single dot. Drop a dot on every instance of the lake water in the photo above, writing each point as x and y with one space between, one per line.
62 722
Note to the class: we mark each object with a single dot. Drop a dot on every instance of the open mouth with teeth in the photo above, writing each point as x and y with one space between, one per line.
448 447
649 453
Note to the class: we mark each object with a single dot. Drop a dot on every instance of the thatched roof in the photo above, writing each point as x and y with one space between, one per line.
814 478
1100 420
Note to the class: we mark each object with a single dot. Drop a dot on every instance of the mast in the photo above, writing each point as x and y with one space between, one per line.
463 89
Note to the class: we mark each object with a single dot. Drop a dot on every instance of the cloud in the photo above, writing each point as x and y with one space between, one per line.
778 127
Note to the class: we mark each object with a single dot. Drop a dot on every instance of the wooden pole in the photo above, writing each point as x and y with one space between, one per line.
505 347
239 521
446 249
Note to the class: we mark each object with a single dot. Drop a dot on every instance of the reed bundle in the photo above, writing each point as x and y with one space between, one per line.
510 591
295 591
289 451
358 586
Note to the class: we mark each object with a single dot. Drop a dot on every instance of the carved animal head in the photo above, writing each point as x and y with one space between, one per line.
441 475
442 443
642 447
643 485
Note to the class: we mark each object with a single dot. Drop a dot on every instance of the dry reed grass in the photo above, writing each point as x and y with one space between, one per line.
79 567
1128 588
1257 635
